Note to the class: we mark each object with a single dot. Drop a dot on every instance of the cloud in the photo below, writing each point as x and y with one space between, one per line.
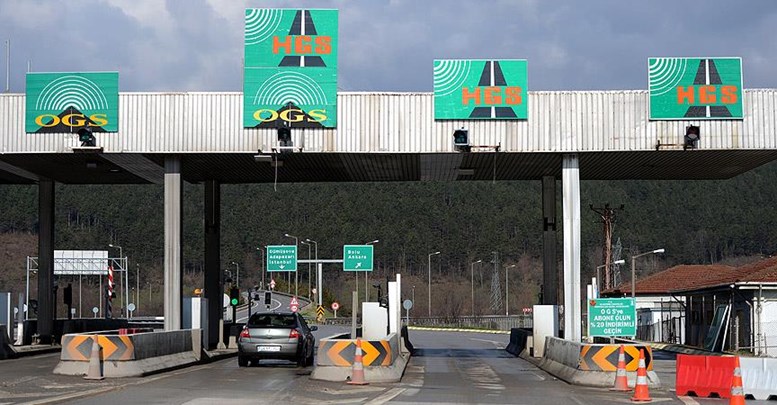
389 45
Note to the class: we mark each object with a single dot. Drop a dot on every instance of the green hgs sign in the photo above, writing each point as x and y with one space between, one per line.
290 74
612 317
66 102
480 89
695 88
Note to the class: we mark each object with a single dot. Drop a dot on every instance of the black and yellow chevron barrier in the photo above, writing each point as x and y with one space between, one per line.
115 347
341 353
605 357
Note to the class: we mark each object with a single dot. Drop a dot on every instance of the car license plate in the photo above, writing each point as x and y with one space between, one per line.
268 348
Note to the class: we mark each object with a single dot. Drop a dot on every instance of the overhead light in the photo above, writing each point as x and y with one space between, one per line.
692 136
114 170
91 165
466 172
263 158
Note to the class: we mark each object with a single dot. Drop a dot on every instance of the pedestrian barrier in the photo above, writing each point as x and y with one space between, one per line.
382 360
128 355
593 364
759 377
704 376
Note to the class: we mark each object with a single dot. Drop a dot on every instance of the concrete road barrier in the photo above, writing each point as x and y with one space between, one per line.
130 355
759 377
592 364
6 351
383 360
520 342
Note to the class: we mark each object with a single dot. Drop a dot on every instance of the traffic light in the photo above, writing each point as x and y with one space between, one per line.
234 296
267 298
34 306
461 140
86 137
67 295
692 136
284 138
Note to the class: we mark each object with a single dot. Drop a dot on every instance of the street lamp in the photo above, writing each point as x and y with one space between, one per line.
366 274
598 281
472 280
430 281
237 278
308 243
507 292
296 285
264 268
318 274
634 268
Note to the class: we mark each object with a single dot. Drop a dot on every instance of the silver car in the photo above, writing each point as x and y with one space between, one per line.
276 335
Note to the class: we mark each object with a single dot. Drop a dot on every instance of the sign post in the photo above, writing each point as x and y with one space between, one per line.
609 317
335 307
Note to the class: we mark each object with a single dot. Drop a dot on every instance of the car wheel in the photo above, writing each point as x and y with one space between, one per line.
242 361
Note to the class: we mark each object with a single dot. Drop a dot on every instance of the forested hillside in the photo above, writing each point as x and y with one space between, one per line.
695 221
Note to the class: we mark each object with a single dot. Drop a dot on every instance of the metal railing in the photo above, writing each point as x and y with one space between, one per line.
490 322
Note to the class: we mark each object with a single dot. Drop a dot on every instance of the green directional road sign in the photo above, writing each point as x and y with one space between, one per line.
612 317
282 258
357 258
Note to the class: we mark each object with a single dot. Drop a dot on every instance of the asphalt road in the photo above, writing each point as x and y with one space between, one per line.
448 368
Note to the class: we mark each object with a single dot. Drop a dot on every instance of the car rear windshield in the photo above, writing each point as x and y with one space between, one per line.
272 321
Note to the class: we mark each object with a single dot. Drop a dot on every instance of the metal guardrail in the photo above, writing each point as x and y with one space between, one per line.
492 322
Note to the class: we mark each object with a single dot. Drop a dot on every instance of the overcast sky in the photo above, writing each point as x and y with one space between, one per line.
197 45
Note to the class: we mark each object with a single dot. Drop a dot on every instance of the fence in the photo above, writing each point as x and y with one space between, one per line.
491 322
666 331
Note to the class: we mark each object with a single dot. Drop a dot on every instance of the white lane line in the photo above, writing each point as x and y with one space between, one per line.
577 400
388 396
687 400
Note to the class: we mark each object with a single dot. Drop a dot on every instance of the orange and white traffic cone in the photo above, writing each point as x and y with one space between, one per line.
641 393
737 391
357 372
95 370
621 380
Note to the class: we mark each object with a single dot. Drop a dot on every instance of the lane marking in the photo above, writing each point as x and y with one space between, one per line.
687 400
388 396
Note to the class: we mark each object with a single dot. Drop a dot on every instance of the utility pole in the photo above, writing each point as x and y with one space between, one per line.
7 65
607 215
496 288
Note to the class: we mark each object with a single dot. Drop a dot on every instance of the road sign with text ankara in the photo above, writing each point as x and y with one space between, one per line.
357 258
612 317
282 258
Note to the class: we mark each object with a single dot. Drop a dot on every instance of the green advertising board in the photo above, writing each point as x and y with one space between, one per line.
695 88
357 258
290 73
282 258
66 102
480 89
612 317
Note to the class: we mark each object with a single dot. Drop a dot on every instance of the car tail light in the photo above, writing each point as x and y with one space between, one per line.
244 333
294 334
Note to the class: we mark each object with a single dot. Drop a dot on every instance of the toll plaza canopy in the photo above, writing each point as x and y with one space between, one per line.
168 138
391 137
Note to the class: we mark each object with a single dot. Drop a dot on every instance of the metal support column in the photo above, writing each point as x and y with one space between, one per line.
571 208
173 242
549 260
46 313
213 287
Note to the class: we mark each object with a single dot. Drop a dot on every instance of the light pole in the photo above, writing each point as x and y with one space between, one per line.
366 274
264 268
308 243
237 275
137 286
430 281
124 283
296 285
507 291
472 281
318 274
598 282
634 268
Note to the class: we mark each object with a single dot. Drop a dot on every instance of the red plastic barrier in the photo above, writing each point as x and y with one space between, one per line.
704 375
